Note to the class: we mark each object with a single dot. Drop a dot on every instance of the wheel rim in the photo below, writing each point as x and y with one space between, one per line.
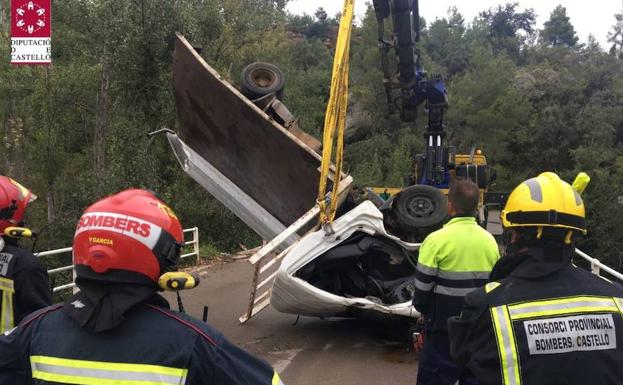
262 78
421 207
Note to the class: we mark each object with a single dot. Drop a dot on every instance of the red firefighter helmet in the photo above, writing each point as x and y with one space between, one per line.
13 201
130 231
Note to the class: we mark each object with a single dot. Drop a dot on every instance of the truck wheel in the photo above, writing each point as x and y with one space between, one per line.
420 209
260 79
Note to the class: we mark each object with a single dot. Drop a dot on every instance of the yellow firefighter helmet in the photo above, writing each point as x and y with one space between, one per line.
545 201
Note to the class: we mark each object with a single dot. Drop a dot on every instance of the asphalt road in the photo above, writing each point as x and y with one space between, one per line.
312 352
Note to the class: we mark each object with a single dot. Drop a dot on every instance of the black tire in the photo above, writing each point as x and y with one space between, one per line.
260 79
420 209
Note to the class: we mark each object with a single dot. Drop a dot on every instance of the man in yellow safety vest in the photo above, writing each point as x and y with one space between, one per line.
452 262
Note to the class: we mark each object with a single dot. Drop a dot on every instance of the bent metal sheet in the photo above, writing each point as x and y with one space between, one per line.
31 30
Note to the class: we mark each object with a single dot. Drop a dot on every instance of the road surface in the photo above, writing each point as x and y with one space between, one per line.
312 352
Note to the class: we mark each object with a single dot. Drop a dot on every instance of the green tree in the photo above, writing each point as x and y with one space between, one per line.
321 14
76 131
506 21
446 43
615 36
558 30
503 24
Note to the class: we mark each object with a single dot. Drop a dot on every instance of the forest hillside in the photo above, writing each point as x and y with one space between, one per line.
532 100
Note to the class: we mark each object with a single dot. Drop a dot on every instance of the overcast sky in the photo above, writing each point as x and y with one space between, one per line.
587 17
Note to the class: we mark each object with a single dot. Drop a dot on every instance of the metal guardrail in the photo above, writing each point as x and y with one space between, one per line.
597 266
194 243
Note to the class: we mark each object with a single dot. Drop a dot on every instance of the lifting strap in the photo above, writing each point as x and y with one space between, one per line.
335 117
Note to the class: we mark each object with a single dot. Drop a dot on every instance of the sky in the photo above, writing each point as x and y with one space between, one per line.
596 17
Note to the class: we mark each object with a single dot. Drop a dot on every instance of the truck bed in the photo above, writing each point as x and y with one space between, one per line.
260 157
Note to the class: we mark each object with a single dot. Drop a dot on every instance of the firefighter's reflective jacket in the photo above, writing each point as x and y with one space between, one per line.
452 262
541 320
24 285
152 345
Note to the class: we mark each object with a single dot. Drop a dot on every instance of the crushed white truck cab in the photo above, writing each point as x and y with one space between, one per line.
357 267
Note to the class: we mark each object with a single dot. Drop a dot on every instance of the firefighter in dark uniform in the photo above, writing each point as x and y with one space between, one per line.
117 330
542 320
24 284
452 262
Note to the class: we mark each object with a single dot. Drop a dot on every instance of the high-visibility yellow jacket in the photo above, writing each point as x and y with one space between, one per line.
541 321
452 262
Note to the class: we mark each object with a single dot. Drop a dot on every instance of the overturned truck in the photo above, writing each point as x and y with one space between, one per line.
246 149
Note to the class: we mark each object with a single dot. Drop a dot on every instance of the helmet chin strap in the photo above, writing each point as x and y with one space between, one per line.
522 241
527 237
555 234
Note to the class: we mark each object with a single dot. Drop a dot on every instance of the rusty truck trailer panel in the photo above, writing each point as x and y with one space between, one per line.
258 155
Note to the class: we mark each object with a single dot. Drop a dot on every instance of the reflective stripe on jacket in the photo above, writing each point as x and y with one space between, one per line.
24 285
153 346
452 262
63 370
544 322
7 289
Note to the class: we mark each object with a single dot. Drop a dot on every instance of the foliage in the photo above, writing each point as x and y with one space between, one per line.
77 130
558 30
508 29
616 36
447 42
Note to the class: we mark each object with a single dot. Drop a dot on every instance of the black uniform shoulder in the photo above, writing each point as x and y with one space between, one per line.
17 250
30 279
23 259
487 295
476 298
597 282
184 321
216 357
40 315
